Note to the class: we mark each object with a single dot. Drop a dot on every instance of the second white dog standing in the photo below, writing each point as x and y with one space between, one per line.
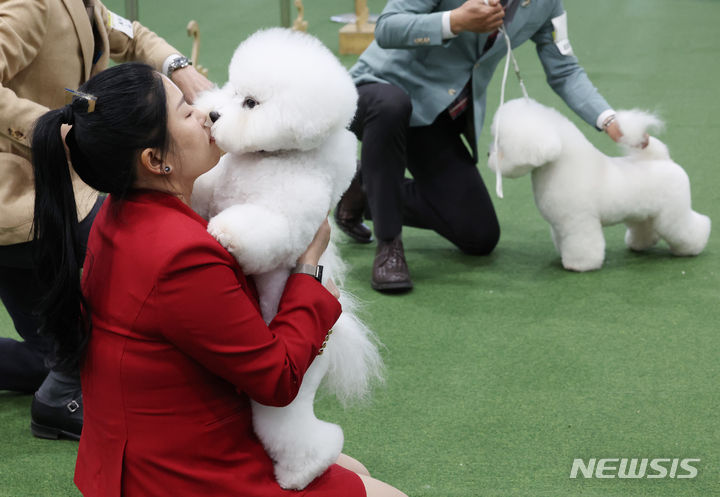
282 120
578 189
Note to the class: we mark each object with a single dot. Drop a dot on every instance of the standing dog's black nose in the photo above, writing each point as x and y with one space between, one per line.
214 116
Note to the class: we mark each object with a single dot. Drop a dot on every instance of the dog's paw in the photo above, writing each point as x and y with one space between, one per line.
257 237
589 257
290 479
582 244
641 236
581 266
691 237
220 227
309 456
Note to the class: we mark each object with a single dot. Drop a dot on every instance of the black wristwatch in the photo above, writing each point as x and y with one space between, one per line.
178 63
314 271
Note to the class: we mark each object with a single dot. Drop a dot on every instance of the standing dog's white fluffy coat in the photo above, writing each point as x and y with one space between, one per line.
282 120
578 189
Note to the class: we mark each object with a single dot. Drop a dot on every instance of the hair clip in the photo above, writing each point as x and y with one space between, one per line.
90 99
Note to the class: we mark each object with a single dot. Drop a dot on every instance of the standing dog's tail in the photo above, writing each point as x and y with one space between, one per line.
635 125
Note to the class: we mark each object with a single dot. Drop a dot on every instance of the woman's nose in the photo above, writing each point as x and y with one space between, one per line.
214 116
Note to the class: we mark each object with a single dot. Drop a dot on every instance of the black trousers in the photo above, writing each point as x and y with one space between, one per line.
446 193
23 365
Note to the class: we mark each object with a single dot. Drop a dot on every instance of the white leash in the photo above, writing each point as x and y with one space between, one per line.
508 57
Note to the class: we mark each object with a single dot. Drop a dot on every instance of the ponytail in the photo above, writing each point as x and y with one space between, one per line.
116 114
58 255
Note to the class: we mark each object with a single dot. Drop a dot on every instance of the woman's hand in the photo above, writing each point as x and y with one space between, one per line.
317 246
190 82
332 288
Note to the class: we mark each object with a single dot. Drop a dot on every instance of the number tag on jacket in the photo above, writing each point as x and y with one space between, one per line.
121 24
560 35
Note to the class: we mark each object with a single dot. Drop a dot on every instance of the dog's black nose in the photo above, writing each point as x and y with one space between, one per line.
214 116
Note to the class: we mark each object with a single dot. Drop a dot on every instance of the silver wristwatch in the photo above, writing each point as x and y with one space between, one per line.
178 63
314 271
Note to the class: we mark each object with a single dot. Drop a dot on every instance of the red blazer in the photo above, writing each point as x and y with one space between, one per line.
177 348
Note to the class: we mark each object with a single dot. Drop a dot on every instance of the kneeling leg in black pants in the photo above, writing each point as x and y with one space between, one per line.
446 193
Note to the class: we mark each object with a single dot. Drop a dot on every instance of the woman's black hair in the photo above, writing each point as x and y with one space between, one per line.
129 115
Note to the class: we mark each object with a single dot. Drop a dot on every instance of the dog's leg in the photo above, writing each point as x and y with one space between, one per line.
641 235
256 236
270 287
582 244
301 446
686 234
555 239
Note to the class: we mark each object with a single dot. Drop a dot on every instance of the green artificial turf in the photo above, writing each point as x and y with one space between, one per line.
502 370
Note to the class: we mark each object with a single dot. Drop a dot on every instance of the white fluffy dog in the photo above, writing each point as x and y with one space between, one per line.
578 189
282 120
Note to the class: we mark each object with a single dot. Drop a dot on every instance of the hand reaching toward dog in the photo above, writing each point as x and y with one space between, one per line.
477 16
332 288
613 131
317 246
190 82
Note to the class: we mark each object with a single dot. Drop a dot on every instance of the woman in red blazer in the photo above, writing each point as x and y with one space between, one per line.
164 325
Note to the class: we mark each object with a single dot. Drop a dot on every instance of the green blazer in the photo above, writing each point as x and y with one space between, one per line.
409 53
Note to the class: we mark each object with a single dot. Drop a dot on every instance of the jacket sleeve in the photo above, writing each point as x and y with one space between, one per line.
565 75
207 315
22 31
409 24
144 46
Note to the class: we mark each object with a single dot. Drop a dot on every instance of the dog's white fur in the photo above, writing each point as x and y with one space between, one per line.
289 159
578 189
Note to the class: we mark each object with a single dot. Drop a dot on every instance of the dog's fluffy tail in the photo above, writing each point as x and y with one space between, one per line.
635 124
336 268
354 359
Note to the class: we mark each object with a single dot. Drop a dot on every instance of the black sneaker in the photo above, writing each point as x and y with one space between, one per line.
57 422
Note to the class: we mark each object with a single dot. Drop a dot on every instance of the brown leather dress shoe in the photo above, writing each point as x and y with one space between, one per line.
349 213
390 271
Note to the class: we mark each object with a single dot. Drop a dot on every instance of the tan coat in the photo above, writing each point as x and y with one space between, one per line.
46 46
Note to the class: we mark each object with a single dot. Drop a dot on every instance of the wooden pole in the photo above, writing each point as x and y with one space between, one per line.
300 24
356 36
131 10
193 30
285 13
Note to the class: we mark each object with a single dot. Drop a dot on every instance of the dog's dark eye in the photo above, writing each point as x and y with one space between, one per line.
249 102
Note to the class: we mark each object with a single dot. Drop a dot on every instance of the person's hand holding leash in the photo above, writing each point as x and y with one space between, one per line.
478 16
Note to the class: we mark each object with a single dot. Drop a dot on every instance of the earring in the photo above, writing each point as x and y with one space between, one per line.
167 169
